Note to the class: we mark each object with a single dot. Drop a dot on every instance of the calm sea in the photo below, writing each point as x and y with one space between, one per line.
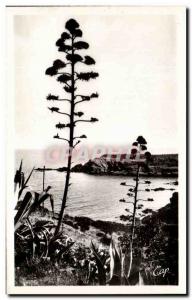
92 196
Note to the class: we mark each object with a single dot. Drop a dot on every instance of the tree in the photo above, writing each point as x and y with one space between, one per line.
67 74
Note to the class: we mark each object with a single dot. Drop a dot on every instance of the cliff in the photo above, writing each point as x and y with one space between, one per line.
160 165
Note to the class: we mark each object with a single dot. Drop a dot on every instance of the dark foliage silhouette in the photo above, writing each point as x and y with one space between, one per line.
139 147
67 74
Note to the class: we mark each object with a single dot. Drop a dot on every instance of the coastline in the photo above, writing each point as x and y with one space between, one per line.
114 173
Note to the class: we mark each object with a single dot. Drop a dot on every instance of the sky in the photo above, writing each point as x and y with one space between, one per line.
136 58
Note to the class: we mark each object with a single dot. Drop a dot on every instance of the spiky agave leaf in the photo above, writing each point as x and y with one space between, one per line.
44 196
52 203
18 177
100 266
115 264
21 165
24 182
23 209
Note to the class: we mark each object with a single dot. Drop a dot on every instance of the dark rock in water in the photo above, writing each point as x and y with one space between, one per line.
62 169
173 183
122 200
162 189
77 168
159 189
150 199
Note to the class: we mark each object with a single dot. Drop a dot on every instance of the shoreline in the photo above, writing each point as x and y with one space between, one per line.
121 173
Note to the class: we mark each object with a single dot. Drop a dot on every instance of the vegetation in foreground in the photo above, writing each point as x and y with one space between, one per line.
93 252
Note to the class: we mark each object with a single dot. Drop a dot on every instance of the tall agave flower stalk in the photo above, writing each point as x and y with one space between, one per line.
140 156
67 73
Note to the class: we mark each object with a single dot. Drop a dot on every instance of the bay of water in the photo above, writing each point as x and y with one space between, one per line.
96 197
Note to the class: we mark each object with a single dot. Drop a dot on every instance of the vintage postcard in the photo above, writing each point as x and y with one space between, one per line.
96 150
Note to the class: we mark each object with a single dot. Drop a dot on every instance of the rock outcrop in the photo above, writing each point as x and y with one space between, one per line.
160 165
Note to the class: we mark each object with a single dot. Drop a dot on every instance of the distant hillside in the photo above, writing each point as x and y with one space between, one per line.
160 165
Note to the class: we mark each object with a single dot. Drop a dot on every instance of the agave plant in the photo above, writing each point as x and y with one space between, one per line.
36 242
138 149
31 200
30 203
20 183
114 269
100 263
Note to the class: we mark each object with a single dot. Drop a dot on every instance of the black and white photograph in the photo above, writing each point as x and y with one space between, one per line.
96 171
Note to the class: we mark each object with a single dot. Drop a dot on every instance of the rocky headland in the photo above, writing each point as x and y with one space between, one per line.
165 165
